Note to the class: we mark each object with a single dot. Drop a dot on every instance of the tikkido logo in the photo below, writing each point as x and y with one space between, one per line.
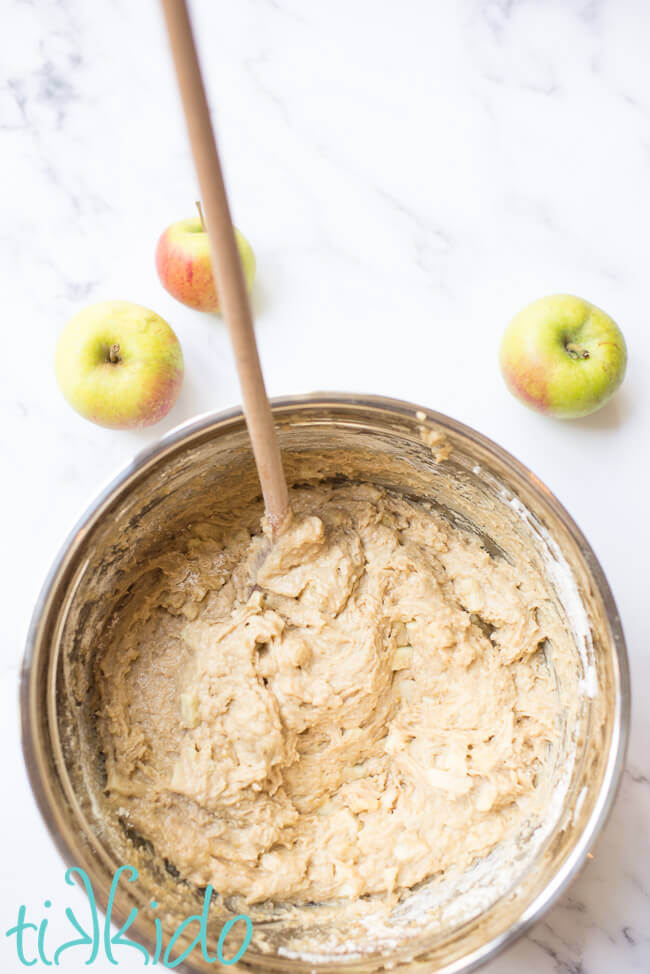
93 937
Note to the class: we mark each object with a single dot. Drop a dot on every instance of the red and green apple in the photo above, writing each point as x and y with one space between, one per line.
563 356
184 266
119 365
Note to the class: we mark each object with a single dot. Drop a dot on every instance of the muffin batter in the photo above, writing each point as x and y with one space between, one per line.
373 710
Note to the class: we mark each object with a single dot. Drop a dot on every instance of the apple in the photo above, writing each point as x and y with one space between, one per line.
119 365
184 266
563 356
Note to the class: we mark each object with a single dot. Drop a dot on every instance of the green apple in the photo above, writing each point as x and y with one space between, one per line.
119 365
563 356
184 266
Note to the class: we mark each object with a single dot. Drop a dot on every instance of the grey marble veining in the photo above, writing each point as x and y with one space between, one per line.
409 175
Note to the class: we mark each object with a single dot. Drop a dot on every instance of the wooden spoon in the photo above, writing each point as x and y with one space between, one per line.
227 267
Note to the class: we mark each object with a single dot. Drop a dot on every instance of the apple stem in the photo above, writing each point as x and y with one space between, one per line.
200 209
577 351
114 354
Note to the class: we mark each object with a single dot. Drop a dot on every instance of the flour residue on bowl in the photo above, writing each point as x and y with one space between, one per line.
567 590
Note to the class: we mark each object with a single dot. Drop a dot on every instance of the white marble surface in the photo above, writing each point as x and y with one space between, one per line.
410 174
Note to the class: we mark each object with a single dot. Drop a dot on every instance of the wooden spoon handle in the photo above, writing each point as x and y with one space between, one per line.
226 263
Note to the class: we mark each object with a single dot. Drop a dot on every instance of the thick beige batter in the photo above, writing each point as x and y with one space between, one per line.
376 710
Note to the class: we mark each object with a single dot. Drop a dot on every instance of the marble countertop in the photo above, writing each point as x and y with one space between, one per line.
410 174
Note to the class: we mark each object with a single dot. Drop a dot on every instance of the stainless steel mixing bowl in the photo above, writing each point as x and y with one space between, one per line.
452 925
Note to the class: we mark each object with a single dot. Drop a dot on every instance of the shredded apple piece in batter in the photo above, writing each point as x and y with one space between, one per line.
376 710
